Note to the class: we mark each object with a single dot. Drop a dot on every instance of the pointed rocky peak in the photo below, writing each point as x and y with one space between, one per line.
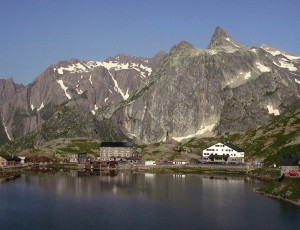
182 47
8 88
221 38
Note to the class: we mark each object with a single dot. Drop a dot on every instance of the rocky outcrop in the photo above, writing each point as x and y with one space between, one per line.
98 83
188 92
226 88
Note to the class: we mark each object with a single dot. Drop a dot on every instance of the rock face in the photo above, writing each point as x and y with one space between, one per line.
8 89
188 92
223 89
97 83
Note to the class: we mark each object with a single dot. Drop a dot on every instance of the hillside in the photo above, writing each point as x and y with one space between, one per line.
270 142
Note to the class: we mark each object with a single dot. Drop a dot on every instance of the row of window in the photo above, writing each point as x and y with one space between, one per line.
226 150
114 155
232 154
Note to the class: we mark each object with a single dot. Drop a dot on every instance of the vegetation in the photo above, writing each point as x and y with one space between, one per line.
287 189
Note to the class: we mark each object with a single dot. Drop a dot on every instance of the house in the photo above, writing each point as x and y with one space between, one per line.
112 150
223 153
9 160
73 158
82 158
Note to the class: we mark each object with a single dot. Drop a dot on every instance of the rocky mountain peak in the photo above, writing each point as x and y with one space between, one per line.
221 38
182 47
8 88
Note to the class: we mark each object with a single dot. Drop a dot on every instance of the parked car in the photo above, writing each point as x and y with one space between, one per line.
293 173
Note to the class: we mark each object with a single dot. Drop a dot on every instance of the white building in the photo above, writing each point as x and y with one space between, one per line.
224 152
150 163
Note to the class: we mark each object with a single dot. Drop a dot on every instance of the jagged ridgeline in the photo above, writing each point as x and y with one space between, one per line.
188 92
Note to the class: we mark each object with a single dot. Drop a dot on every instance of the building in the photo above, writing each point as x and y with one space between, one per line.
179 162
82 158
113 150
224 153
150 163
8 160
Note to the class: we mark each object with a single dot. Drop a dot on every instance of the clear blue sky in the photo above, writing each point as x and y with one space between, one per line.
38 33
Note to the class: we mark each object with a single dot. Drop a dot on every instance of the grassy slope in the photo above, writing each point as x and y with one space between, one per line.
269 142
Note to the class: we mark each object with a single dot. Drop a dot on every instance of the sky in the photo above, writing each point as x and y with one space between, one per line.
38 33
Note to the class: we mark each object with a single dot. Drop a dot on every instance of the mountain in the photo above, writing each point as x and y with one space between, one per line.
8 89
224 89
91 84
188 92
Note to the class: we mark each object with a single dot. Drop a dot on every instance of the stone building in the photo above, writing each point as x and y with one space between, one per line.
114 150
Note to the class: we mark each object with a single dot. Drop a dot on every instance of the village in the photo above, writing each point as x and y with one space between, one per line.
124 155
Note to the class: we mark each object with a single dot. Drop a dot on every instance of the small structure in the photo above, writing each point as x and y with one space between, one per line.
23 159
290 171
224 153
73 158
82 157
179 162
150 163
112 150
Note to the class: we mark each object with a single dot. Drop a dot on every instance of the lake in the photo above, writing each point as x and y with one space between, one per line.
75 200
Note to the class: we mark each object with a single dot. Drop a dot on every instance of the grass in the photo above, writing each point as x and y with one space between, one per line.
289 188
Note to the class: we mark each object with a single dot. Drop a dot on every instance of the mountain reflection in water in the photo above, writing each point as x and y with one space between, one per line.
81 200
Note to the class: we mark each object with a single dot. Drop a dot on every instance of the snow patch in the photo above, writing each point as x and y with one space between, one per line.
228 39
254 50
262 68
74 68
64 88
297 81
32 107
6 131
105 99
287 65
79 91
271 110
201 131
95 109
90 79
111 65
274 53
42 106
247 75
114 65
118 89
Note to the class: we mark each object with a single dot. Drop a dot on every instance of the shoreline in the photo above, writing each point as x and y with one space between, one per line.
211 171
276 197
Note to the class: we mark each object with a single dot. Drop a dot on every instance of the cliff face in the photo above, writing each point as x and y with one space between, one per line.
223 89
188 92
8 89
91 84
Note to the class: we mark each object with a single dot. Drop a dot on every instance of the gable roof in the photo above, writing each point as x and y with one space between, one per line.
232 146
116 144
10 158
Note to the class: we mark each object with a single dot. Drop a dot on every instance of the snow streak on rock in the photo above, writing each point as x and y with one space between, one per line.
61 83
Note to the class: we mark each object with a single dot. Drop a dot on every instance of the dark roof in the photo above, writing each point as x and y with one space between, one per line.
234 147
10 158
116 144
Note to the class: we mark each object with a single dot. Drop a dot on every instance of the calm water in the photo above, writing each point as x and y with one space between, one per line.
139 201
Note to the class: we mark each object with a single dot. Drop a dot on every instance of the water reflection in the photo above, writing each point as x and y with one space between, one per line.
82 200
